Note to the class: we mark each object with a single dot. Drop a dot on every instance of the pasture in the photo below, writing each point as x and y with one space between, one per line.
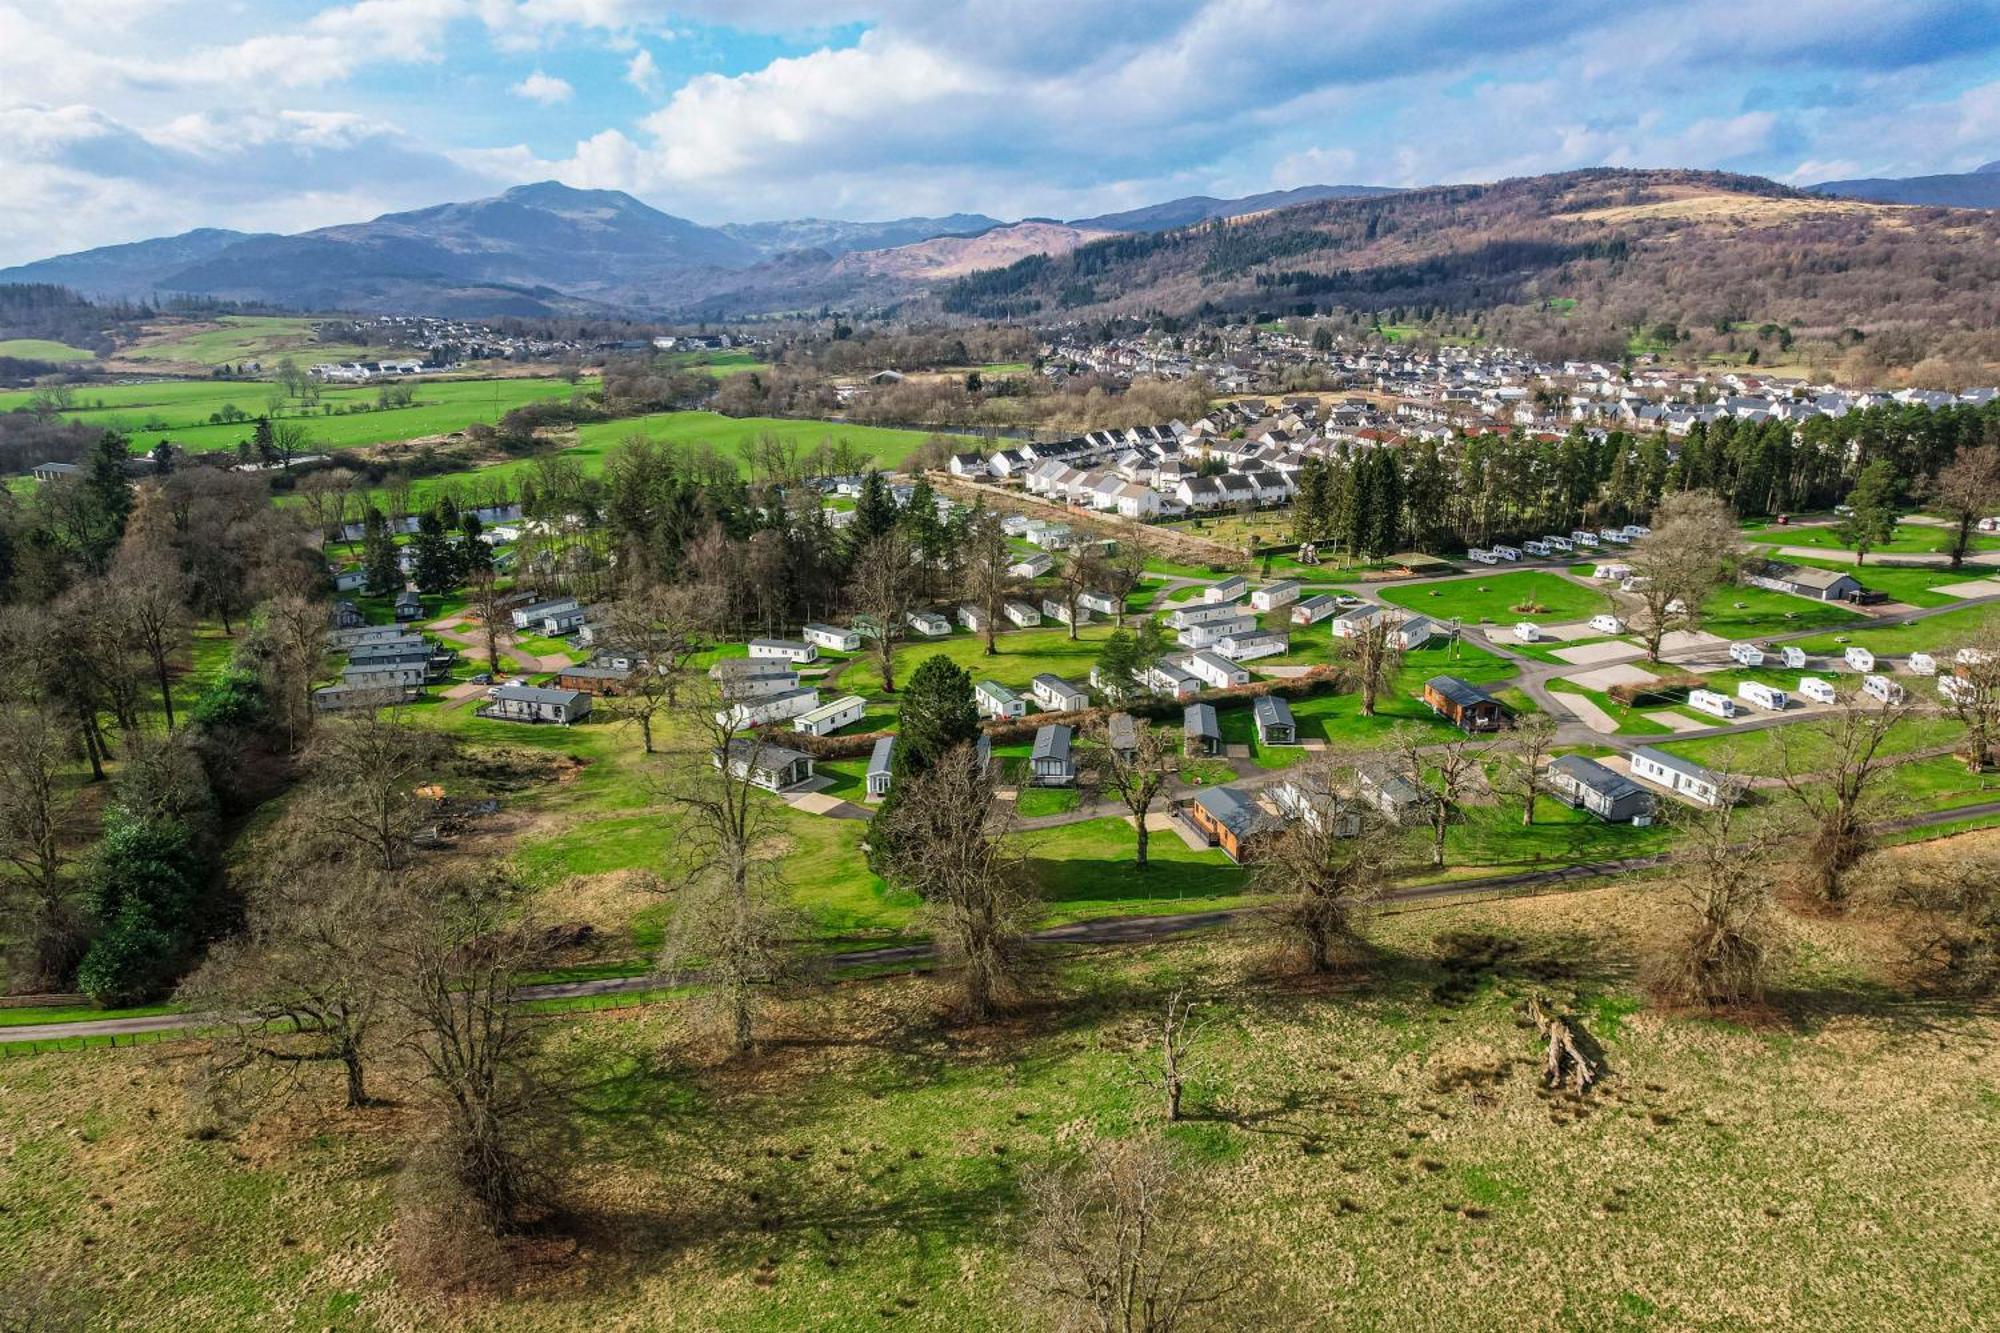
44 349
230 339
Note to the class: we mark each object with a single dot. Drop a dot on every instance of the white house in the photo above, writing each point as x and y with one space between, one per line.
996 700
1023 615
928 623
783 650
829 718
1217 671
1680 776
1057 695
832 638
1253 644
1274 595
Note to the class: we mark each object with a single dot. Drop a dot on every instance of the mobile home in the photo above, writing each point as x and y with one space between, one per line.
1215 670
1273 719
1057 695
783 650
1050 762
928 623
1023 615
1228 590
1923 664
881 762
1272 596
1585 784
1682 777
832 638
1462 704
996 700
1314 609
1201 734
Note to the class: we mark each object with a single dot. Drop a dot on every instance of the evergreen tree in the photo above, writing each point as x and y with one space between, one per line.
938 712
874 511
264 441
435 562
378 554
475 557
108 482
1873 508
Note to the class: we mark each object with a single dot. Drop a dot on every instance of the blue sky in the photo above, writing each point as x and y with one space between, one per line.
121 119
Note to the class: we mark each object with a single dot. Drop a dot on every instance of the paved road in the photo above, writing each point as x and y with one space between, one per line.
1097 931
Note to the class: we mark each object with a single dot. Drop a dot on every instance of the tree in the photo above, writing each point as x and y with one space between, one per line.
1136 776
882 587
378 554
147 596
1444 772
290 645
366 768
1832 768
1076 576
1323 873
1178 1030
988 560
731 926
1721 945
1125 658
433 559
947 840
39 819
938 714
1957 898
1972 694
1373 657
1121 572
142 882
1527 749
1873 509
107 484
474 556
1114 1245
488 604
306 980
1966 490
1693 550
659 628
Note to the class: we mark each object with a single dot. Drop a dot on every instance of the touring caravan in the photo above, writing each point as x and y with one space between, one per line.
1817 690
1882 688
1746 654
1708 701
1860 658
1764 696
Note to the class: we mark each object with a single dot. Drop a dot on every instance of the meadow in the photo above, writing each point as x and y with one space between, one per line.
43 349
232 339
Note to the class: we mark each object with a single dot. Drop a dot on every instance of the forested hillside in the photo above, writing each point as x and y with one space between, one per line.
1590 263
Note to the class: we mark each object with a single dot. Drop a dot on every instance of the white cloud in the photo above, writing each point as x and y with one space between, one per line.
643 74
543 88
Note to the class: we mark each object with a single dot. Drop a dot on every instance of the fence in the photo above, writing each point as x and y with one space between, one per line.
52 1001
46 1045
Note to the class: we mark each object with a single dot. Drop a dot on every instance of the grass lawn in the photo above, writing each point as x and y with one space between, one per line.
1035 802
1631 721
1022 655
1944 631
1087 869
1740 612
1494 599
1910 539
44 349
1914 587
1761 753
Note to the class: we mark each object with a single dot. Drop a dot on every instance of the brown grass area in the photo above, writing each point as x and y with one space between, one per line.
1828 1166
1683 201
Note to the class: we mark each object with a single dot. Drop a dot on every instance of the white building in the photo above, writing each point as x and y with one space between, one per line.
829 718
832 638
783 650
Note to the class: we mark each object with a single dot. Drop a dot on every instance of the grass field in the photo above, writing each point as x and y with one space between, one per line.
1740 612
1494 599
1944 631
1910 539
1380 1145
42 349
231 339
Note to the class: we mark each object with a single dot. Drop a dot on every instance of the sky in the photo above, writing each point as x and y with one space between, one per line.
125 119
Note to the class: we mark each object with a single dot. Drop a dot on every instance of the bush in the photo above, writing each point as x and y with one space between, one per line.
143 882
233 699
129 962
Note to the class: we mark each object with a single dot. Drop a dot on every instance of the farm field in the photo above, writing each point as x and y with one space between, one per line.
1422 1151
1493 598
235 338
43 349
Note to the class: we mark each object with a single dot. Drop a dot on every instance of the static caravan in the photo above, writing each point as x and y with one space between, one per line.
1032 566
1681 776
1215 631
783 650
1103 603
1050 763
1746 654
881 762
1273 719
1057 695
1314 609
1582 538
1508 553
1764 696
1413 632
1023 615
1353 621
1795 657
1168 677
1708 701
1282 593
996 700
1882 688
1228 590
1817 690
1462 704
829 718
1059 613
1923 664
531 703
768 708
772 767
532 614
928 623
832 638
1201 733
1585 784
972 617
1527 631
1606 623
1230 819
1561 545
1199 614
1253 644
1540 550
1219 672
1859 658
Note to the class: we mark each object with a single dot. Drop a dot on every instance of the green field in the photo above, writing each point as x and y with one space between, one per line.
1944 631
1493 599
238 338
42 349
1910 539
1741 612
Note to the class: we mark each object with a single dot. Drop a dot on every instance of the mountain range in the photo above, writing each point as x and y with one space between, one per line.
550 248
1978 188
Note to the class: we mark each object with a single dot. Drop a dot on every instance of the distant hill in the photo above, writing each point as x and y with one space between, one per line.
135 270
838 238
1979 188
1200 207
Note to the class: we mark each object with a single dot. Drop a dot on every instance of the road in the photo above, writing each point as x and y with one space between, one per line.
1107 930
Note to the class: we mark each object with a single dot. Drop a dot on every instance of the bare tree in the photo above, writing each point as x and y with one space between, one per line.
1444 772
1527 750
948 843
1972 693
1114 1246
731 927
39 820
1136 775
1719 949
1832 767
1124 569
1076 576
988 577
1323 874
487 603
291 632
1694 549
1964 491
1957 899
659 628
306 980
366 768
883 587
1178 1030
148 600
1373 655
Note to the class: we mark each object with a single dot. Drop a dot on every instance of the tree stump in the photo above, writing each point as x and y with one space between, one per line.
1566 1063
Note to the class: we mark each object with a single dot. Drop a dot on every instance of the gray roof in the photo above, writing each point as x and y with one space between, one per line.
1463 693
1052 742
1199 720
1586 772
764 754
1232 809
1686 767
538 694
1055 682
879 757
1270 710
1122 729
1391 784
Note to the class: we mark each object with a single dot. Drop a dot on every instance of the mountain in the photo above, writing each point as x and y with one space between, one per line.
1200 207
135 270
1979 188
839 238
1576 264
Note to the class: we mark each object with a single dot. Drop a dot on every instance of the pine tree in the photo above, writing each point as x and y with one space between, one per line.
475 557
378 554
264 441
434 561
